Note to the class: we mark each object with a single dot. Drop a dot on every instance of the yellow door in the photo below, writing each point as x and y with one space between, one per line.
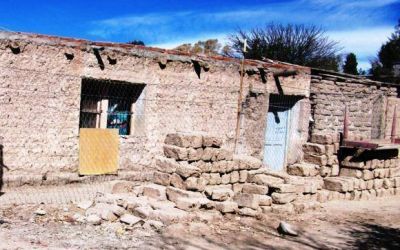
98 151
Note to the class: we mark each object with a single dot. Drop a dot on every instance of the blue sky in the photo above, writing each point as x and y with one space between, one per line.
361 26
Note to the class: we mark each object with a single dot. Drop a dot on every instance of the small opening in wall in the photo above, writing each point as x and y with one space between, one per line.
108 104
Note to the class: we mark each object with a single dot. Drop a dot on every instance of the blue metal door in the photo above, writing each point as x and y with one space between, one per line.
276 139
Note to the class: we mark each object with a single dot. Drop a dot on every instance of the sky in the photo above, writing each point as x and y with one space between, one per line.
360 26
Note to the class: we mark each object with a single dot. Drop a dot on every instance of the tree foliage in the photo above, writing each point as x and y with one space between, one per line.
208 47
136 42
297 44
388 55
350 64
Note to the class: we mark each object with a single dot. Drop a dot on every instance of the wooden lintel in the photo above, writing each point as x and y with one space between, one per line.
285 73
360 144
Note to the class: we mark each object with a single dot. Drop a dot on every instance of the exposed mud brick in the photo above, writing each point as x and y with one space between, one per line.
335 170
166 165
325 171
322 139
161 178
379 173
247 162
234 177
350 164
247 200
378 183
243 176
245 211
310 187
388 183
251 188
303 169
225 178
351 172
215 179
184 140
175 152
283 198
211 141
226 206
177 181
283 209
365 195
195 184
394 172
195 154
336 146
170 215
205 167
330 149
222 154
339 184
219 166
186 170
174 193
190 204
316 159
220 194
313 148
368 175
286 188
322 195
266 180
121 186
155 191
264 200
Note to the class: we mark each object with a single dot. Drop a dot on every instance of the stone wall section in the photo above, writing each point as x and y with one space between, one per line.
364 99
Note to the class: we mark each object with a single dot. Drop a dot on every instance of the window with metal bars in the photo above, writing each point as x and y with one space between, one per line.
108 104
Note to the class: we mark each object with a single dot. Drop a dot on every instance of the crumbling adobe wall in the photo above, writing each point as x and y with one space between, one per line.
366 101
40 88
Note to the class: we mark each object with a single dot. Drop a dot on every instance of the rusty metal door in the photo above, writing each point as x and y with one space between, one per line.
98 151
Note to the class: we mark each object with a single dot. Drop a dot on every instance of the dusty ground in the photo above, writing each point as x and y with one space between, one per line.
338 225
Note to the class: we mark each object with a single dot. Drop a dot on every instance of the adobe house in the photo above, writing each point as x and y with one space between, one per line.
52 87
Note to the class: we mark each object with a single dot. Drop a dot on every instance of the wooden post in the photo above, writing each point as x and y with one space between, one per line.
239 109
346 124
394 125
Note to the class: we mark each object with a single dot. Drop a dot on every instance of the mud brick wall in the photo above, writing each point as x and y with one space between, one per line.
366 101
40 91
366 176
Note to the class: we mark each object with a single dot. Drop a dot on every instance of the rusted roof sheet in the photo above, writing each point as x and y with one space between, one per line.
146 51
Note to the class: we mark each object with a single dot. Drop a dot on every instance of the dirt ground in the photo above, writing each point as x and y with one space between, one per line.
337 225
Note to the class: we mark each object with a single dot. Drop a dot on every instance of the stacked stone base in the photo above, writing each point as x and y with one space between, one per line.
197 173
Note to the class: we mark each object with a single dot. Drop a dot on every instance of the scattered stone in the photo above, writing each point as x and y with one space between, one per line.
283 198
226 206
40 212
286 229
174 193
85 204
155 191
245 211
121 186
161 178
153 224
130 219
93 219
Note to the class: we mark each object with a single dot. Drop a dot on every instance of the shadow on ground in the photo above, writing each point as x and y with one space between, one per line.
260 236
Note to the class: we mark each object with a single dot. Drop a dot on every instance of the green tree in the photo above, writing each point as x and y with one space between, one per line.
388 55
297 44
350 65
136 42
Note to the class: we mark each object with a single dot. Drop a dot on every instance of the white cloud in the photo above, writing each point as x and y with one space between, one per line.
365 43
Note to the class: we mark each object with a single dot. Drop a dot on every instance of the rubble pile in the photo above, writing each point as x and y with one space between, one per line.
195 172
